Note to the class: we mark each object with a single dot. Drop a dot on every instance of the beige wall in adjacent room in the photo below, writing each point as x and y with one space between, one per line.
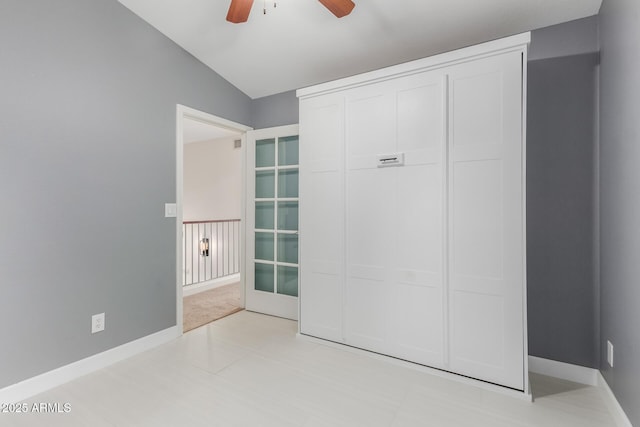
212 180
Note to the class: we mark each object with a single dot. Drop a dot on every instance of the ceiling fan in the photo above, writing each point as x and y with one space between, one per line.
239 9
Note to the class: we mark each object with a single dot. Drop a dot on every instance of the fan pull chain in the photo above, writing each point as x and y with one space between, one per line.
264 6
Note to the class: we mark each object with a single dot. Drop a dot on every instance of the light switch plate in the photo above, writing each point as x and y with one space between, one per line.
170 210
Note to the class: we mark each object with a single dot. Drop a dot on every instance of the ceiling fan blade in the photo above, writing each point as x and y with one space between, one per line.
339 8
239 11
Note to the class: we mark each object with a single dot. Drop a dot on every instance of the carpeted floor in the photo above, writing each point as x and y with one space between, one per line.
207 306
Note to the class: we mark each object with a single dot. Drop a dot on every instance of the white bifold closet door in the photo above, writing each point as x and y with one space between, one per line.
322 217
486 223
394 290
422 261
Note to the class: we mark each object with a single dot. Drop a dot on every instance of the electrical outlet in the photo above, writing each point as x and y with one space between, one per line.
97 323
610 353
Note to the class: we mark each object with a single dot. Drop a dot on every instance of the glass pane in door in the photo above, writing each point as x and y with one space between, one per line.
288 183
264 246
288 216
288 150
288 280
265 184
264 277
265 153
288 248
265 215
276 219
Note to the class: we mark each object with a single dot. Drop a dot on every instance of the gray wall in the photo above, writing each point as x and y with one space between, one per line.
561 142
620 199
566 39
275 110
87 161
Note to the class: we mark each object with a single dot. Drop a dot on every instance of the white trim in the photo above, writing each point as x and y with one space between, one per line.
436 61
209 284
243 222
525 303
580 374
562 370
180 115
43 382
422 368
612 403
183 112
207 118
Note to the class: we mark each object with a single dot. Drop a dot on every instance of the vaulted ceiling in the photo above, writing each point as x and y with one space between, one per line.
300 43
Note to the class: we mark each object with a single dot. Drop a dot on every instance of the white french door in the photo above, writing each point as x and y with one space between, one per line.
272 273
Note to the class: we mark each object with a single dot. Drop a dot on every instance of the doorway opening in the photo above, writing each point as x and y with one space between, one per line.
210 225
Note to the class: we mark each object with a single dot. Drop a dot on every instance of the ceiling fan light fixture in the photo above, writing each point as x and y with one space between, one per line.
239 11
339 8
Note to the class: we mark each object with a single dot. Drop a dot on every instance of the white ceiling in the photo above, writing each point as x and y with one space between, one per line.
195 131
300 43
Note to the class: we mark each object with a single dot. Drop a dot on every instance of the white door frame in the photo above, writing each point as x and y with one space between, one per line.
184 112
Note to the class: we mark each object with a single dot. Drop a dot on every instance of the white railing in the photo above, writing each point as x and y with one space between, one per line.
211 250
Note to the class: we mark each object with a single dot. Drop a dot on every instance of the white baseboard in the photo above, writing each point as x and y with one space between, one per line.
43 382
582 375
210 284
612 403
562 370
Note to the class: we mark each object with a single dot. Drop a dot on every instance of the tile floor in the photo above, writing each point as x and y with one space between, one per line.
251 370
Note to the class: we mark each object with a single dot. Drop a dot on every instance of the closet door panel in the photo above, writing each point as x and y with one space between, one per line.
417 267
418 224
321 217
322 276
420 115
485 220
370 125
481 341
477 238
369 237
369 217
477 107
419 208
367 314
417 279
369 211
323 122
419 337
